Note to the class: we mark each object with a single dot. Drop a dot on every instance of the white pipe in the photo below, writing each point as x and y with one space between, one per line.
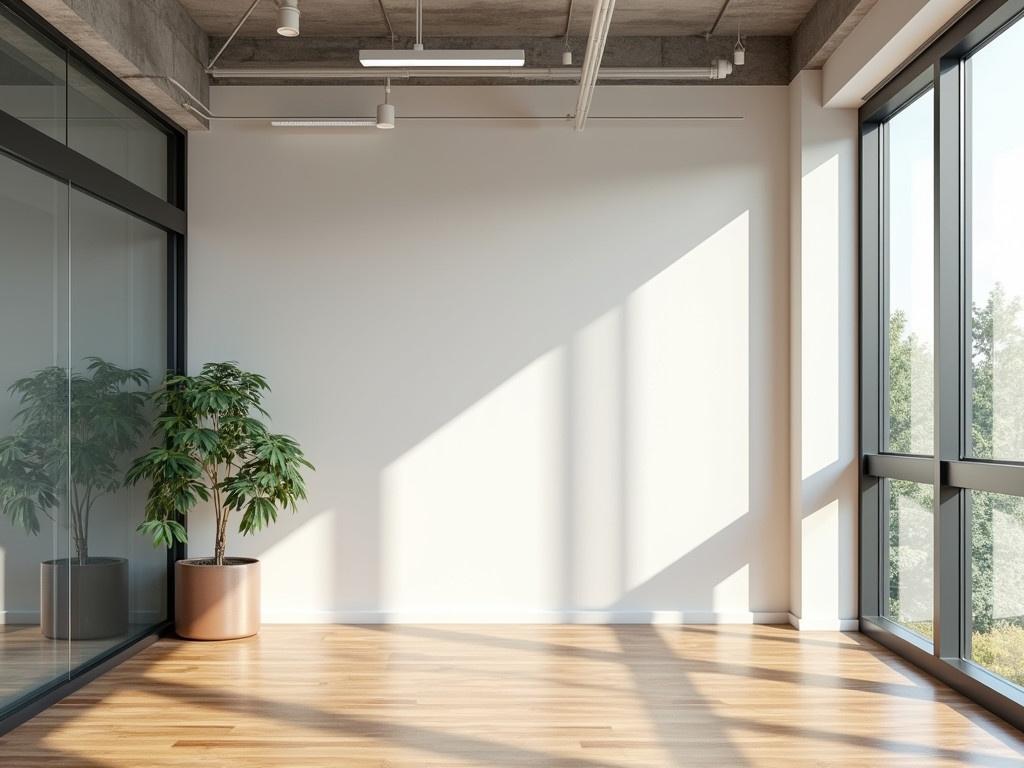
418 45
599 24
234 32
597 62
570 74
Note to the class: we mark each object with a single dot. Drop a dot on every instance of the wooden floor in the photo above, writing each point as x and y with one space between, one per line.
580 696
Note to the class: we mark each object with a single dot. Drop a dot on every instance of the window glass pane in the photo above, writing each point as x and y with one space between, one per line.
118 353
997 584
104 127
996 200
909 213
909 562
32 78
33 427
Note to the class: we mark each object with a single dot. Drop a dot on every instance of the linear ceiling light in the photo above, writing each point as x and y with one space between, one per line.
417 57
352 123
442 58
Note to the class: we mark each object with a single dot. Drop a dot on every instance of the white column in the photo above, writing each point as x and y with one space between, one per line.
823 383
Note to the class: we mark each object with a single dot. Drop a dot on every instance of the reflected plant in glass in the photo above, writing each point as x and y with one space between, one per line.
74 453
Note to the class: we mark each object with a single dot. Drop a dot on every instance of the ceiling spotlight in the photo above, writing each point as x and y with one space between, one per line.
567 58
288 18
739 53
386 111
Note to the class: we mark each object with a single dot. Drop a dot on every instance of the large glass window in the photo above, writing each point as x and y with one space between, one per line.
909 564
995 95
107 129
996 638
88 318
33 316
942 340
910 253
33 77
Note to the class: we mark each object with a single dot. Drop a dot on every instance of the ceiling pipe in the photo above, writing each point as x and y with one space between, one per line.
234 32
567 74
599 25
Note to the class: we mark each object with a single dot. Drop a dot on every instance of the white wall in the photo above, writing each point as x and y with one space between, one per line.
542 375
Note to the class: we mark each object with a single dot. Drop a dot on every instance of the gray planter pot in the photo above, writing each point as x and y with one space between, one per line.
84 601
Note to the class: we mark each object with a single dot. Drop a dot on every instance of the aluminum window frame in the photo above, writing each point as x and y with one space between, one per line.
942 66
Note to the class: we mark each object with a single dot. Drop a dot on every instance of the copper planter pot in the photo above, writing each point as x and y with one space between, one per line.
217 602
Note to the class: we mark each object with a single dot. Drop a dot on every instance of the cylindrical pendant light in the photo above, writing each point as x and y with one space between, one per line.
288 18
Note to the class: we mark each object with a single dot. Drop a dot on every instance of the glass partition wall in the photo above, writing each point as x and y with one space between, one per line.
942 367
91 279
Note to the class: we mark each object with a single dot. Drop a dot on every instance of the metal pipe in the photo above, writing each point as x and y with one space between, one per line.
599 24
568 22
569 74
387 20
718 19
419 26
496 118
234 32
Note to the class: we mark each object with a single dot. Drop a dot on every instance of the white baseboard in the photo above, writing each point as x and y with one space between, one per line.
524 617
824 624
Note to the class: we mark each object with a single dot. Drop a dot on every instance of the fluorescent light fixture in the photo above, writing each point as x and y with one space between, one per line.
442 58
350 123
288 18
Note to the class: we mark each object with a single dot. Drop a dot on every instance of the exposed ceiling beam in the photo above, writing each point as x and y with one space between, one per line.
828 23
153 43
767 57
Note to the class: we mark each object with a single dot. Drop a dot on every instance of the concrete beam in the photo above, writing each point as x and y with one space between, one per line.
823 29
889 36
141 42
767 57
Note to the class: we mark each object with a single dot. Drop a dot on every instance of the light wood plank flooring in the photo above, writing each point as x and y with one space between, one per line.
579 696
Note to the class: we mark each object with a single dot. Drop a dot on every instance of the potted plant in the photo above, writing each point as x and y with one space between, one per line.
74 433
212 449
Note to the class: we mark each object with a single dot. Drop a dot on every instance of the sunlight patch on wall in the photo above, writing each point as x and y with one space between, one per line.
819 533
687 402
297 567
469 517
819 318
733 590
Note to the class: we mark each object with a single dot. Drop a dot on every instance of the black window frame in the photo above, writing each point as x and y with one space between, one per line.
941 67
54 158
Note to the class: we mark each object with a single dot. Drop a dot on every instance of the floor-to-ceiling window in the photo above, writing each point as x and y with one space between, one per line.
942 506
91 272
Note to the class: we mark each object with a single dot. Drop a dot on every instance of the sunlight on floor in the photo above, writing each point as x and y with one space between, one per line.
493 695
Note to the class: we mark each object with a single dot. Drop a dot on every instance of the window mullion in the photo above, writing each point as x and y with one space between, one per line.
948 566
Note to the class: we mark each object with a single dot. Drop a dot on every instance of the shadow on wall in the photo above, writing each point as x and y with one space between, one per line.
560 418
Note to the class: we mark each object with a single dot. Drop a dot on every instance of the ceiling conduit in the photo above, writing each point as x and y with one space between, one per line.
599 25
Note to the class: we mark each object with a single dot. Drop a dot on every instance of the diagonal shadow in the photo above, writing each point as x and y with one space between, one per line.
889 746
818 680
456 746
661 679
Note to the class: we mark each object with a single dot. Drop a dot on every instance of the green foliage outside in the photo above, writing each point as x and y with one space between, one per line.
210 448
997 521
73 436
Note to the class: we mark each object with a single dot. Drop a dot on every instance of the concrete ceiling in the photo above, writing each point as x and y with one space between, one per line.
506 18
